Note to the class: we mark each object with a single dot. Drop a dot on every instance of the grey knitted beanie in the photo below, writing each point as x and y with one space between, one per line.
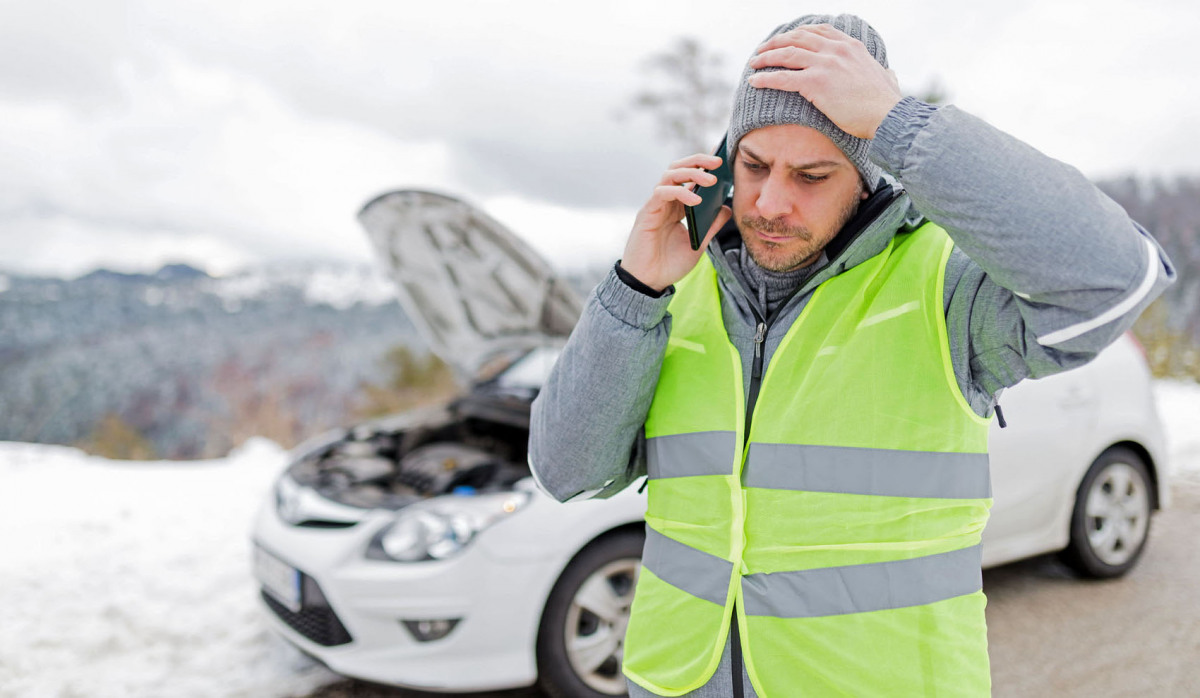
754 107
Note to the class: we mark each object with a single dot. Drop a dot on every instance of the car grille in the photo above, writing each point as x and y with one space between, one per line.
315 620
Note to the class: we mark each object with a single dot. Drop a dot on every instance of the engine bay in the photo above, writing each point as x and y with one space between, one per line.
473 446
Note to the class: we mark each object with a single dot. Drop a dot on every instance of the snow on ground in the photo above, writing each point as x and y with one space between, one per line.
1179 408
133 579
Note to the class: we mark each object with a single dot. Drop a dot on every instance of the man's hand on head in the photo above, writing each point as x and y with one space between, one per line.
833 71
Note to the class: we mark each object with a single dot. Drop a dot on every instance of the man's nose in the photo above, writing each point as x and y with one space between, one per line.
773 200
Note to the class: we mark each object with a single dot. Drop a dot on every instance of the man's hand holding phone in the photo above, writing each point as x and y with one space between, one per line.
659 252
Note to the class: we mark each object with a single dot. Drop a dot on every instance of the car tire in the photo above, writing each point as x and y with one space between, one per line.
582 635
1110 523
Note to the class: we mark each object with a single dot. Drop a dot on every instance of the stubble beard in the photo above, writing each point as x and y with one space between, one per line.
766 254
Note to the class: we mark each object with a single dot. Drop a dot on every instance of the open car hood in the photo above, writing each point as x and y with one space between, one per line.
473 289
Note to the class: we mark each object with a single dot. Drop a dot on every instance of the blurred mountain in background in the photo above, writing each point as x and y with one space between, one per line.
1170 328
179 364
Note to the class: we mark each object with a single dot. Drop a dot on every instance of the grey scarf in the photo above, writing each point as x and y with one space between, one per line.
770 288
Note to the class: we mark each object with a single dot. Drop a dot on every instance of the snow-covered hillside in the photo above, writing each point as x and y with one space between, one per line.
188 360
133 579
127 579
336 285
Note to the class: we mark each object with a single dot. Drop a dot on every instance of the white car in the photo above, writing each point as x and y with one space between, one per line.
417 551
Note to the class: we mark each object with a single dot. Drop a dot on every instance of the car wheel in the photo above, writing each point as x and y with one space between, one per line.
1111 520
582 636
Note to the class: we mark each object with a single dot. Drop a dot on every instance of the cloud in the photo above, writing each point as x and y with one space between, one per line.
522 109
191 153
568 237
56 50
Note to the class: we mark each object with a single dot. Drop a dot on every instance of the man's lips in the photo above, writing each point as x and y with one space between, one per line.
773 238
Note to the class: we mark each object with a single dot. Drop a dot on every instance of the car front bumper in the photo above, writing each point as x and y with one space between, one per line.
353 612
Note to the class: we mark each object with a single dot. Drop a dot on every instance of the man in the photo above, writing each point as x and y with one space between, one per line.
812 412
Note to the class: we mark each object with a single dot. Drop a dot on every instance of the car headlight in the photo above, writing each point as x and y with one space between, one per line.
439 528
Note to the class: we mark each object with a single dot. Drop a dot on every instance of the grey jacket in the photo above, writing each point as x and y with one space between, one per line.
1046 272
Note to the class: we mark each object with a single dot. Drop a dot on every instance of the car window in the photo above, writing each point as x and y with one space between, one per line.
529 371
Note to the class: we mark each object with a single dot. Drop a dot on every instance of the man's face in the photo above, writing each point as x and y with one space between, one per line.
793 191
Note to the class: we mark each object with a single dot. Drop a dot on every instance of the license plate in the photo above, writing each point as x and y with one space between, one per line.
279 579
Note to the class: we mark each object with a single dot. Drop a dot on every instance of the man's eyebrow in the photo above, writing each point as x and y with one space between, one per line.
806 166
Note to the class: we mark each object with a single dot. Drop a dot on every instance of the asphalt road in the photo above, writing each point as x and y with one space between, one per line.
1051 634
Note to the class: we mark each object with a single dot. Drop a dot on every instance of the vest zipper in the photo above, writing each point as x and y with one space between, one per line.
759 336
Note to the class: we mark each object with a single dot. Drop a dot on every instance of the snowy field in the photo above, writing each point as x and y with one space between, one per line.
1179 407
133 580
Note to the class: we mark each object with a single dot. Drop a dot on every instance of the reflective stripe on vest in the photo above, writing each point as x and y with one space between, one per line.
686 455
875 471
825 591
684 567
845 527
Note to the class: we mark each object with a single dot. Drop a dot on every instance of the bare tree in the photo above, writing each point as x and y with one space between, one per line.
933 92
688 95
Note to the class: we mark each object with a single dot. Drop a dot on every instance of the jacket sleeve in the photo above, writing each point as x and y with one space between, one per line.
1047 270
586 438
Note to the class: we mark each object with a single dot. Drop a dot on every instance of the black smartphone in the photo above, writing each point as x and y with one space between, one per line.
701 216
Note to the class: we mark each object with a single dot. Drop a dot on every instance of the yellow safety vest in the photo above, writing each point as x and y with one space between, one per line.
846 528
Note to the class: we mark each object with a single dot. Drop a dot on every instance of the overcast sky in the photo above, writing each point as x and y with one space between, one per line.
225 133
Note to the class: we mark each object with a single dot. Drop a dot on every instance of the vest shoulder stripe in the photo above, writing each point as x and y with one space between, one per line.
697 453
870 471
875 586
686 568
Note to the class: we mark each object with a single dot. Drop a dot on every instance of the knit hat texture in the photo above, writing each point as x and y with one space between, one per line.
756 107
